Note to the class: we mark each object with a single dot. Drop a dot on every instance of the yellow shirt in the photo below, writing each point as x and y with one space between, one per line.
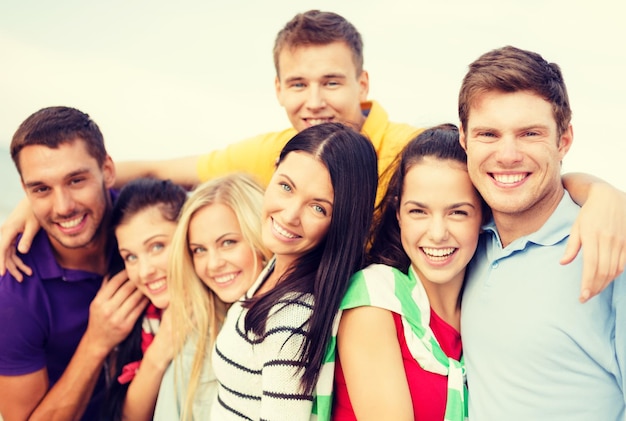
258 154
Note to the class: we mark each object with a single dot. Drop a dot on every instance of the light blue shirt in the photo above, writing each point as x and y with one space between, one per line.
532 351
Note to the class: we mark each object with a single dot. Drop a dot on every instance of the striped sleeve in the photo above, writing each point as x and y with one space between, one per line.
279 352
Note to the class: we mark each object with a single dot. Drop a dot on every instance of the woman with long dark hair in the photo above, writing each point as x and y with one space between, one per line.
317 212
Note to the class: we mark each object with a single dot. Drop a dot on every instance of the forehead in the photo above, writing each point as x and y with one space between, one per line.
437 180
521 108
144 224
308 173
212 221
42 164
316 60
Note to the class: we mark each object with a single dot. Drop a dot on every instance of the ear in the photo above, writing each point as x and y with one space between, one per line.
364 85
108 172
278 90
462 139
565 142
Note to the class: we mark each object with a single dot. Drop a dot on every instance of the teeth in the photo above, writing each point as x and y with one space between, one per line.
282 231
156 285
72 223
438 254
225 278
509 178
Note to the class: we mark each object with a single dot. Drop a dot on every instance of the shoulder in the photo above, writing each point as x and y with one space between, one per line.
292 310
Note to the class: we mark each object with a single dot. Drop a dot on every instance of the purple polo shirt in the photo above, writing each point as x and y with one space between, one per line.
43 318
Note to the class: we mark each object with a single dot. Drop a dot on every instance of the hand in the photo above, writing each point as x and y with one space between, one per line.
161 351
21 220
601 229
113 313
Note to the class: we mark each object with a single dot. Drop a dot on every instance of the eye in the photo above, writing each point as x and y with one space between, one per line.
40 190
229 243
129 258
459 212
332 83
417 211
156 247
76 180
198 250
286 187
319 209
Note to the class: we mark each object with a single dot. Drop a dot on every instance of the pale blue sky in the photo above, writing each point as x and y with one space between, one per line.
167 79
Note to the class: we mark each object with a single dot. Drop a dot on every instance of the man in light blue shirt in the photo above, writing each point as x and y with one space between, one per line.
533 351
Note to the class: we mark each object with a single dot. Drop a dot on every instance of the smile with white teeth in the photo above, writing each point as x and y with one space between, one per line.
222 279
156 285
316 121
283 231
509 178
438 254
71 223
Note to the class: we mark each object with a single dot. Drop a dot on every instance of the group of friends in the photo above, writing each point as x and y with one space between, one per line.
320 272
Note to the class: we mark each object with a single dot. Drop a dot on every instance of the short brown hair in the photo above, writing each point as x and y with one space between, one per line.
54 126
319 28
510 69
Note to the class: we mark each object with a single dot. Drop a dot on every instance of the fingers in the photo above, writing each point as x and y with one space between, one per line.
30 230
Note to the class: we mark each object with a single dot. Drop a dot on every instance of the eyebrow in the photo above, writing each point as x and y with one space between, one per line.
148 240
452 206
317 199
326 76
36 183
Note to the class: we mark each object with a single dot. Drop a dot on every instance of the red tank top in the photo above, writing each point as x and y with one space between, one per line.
428 390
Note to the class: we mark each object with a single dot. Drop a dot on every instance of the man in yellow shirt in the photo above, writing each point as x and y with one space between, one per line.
319 78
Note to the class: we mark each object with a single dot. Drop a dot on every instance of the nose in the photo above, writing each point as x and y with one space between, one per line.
215 261
315 98
63 203
508 150
291 213
146 268
438 229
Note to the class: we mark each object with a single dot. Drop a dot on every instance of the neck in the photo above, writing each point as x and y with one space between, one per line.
445 299
513 225
90 258
281 265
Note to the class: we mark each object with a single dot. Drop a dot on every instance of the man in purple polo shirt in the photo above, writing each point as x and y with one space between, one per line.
59 325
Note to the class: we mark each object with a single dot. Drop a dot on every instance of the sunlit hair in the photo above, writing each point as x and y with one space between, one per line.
54 126
325 270
197 312
136 196
319 28
439 142
509 69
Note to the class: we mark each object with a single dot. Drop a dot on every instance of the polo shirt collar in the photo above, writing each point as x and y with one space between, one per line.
554 230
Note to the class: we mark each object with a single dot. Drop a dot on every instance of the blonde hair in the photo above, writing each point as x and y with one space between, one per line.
196 311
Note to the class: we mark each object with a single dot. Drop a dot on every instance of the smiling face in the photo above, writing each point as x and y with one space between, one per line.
319 84
144 241
222 259
67 190
439 216
514 156
297 207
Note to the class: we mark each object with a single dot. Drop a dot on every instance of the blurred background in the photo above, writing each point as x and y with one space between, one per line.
165 79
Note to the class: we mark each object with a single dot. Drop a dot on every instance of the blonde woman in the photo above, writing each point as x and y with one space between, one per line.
216 255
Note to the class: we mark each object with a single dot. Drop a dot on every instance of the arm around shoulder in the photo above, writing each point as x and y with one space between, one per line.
181 171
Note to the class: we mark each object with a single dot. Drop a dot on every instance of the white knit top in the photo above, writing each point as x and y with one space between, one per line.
258 376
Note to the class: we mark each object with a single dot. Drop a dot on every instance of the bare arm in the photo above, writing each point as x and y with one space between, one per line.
21 220
143 390
372 365
180 170
600 227
112 315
